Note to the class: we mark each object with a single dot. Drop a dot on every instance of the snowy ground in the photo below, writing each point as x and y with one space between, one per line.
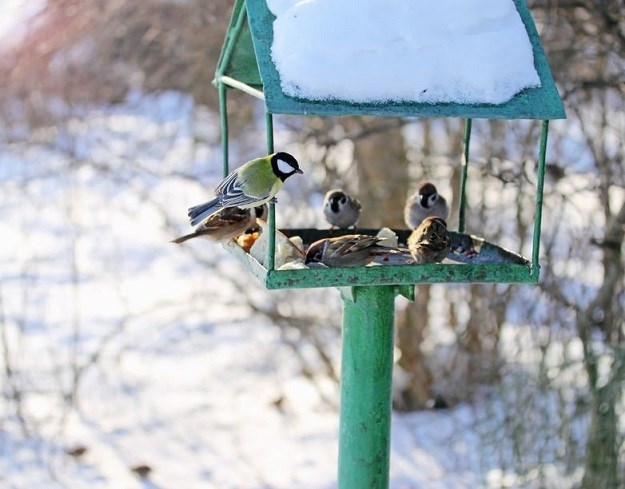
169 364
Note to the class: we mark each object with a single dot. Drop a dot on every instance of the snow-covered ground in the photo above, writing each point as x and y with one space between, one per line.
170 364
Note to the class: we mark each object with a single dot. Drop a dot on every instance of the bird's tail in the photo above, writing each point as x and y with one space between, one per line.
200 212
182 239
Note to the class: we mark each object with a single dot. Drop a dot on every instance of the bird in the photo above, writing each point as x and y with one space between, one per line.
351 250
430 242
253 184
340 209
226 224
426 201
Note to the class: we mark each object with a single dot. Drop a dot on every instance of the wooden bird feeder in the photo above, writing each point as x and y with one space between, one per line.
246 65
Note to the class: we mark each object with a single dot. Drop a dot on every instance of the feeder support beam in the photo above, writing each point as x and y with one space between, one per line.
366 375
463 176
538 206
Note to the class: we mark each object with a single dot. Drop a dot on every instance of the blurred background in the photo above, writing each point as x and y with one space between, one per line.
127 361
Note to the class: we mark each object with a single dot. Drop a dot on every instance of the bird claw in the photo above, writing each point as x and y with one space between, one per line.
273 200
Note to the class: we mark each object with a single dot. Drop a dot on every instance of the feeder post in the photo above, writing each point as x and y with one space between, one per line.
271 217
223 119
464 174
538 206
366 396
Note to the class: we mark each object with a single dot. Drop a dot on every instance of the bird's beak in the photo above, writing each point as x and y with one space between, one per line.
299 171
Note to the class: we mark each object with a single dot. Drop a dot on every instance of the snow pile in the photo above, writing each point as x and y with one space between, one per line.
465 51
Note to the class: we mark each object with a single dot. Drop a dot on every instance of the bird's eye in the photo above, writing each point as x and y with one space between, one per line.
343 200
433 198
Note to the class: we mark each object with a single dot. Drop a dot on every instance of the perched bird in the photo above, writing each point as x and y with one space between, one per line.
226 224
340 209
255 183
351 250
426 201
430 242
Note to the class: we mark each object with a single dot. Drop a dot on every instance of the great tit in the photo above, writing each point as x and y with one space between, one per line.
253 184
340 209
351 250
430 242
226 224
426 201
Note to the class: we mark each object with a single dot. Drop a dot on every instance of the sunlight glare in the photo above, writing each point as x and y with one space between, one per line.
14 15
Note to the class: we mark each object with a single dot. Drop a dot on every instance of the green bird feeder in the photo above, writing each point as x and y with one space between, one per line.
369 293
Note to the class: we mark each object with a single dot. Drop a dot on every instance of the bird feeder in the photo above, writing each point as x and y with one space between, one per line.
369 292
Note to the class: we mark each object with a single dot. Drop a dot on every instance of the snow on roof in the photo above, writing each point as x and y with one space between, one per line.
463 51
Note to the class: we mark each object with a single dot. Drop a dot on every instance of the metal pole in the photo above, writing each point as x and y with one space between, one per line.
463 177
538 206
231 82
271 218
366 376
223 116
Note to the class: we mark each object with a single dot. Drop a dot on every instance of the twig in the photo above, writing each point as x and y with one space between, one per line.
16 393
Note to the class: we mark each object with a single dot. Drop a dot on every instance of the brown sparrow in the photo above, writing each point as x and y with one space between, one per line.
351 250
426 201
226 224
340 209
430 242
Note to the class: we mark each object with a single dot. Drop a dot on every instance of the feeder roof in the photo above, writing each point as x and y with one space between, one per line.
506 86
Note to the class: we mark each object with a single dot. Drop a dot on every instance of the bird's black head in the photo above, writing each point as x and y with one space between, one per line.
261 212
284 165
427 194
315 252
337 199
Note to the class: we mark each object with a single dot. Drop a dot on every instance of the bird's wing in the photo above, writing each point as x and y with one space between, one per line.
440 241
233 195
228 185
356 243
227 217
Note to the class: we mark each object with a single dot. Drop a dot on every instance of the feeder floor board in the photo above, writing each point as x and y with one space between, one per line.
475 260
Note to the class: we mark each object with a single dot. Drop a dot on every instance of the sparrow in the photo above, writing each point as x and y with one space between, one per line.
253 184
426 201
226 224
430 242
340 209
351 250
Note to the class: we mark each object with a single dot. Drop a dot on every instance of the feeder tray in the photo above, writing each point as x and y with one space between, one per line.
476 260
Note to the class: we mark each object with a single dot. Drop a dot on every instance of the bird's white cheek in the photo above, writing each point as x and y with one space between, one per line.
284 167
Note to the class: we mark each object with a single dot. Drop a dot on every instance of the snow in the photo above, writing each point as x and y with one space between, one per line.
464 51
178 371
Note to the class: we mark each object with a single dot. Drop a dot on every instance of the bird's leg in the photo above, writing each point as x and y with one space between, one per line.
273 200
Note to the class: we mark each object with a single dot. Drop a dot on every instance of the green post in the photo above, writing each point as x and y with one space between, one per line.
271 217
366 377
538 206
463 177
223 117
